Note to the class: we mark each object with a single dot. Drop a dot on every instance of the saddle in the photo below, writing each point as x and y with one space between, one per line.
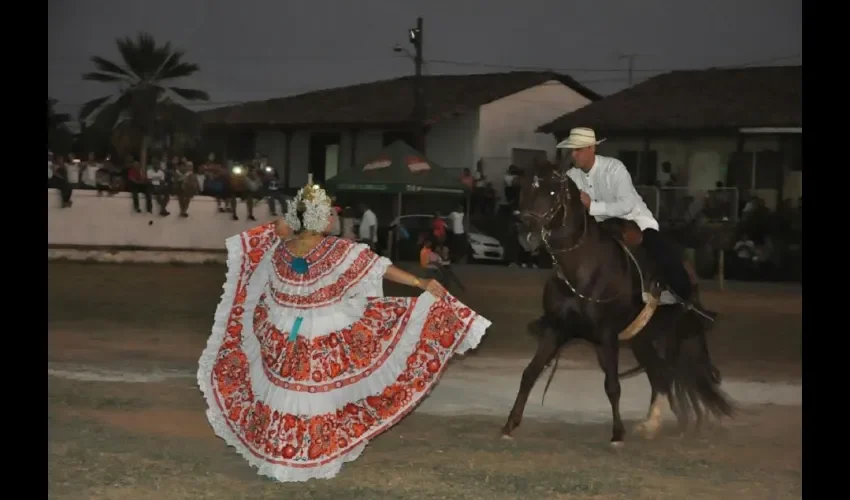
625 231
653 292
631 237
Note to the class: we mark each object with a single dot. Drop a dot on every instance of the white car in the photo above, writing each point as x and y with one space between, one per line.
481 246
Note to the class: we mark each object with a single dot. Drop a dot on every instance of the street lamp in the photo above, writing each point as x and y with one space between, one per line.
415 37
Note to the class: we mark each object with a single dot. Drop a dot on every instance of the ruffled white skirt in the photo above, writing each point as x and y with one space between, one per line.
298 407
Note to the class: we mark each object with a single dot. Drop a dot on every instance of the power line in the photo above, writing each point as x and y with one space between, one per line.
484 64
451 62
629 79
630 65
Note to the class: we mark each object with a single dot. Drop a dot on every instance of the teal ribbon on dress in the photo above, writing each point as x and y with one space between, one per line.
295 327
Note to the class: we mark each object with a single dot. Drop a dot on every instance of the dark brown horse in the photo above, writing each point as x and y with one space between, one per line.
604 291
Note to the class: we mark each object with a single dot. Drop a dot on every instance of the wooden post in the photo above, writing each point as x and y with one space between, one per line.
287 159
354 133
721 272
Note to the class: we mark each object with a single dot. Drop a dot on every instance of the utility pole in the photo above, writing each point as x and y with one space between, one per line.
631 65
416 38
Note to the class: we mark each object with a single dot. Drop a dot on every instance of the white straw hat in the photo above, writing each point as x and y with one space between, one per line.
580 137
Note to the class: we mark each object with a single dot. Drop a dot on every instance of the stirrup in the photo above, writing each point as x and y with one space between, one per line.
690 306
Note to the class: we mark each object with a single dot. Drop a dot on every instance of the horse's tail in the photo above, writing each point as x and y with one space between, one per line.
696 381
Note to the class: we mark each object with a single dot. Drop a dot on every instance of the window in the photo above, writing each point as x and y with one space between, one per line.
630 159
642 165
759 170
525 158
740 171
768 170
323 153
795 151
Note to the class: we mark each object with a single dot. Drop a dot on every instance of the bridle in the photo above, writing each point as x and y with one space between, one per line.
562 203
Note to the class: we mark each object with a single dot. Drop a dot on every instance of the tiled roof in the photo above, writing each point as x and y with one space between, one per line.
387 101
713 99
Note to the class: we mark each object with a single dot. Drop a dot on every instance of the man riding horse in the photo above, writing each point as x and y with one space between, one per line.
608 193
606 289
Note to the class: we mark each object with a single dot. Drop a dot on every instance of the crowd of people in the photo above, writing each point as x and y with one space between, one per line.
764 240
768 244
163 179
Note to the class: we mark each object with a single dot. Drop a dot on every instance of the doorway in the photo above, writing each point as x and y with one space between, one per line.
323 161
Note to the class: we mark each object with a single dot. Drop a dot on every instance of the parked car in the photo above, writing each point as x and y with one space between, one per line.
481 247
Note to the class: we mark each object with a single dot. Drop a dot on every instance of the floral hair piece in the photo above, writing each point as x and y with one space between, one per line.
316 205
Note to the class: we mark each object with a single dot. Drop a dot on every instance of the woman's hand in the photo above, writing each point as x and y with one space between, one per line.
434 287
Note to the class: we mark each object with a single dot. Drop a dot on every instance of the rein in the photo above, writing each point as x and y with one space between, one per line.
562 202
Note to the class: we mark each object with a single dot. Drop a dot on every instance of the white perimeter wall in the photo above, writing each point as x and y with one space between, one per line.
111 222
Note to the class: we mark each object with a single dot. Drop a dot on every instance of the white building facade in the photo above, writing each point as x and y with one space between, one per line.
498 133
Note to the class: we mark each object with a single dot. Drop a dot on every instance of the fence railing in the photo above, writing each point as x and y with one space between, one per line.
673 205
682 204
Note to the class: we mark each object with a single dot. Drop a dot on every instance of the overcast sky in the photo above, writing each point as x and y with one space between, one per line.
258 49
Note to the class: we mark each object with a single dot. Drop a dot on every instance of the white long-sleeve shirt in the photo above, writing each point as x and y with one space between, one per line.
610 188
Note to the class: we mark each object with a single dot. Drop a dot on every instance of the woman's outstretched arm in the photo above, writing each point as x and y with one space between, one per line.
405 278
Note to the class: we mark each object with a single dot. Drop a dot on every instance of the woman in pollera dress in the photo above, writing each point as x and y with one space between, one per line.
308 360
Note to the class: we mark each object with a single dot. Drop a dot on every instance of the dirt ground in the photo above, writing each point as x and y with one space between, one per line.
121 440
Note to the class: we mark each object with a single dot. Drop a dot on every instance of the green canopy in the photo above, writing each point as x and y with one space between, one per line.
397 169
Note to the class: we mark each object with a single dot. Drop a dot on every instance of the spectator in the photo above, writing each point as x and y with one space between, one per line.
457 243
435 261
239 186
158 181
335 228
429 260
60 180
467 179
117 175
50 167
512 186
88 173
438 228
73 168
202 178
368 230
483 195
138 185
186 186
273 194
745 248
103 178
348 224
254 183
516 255
217 182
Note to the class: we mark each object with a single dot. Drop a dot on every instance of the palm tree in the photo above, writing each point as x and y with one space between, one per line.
55 120
59 137
144 82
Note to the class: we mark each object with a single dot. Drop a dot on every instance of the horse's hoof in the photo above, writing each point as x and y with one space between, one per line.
617 444
646 430
507 437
